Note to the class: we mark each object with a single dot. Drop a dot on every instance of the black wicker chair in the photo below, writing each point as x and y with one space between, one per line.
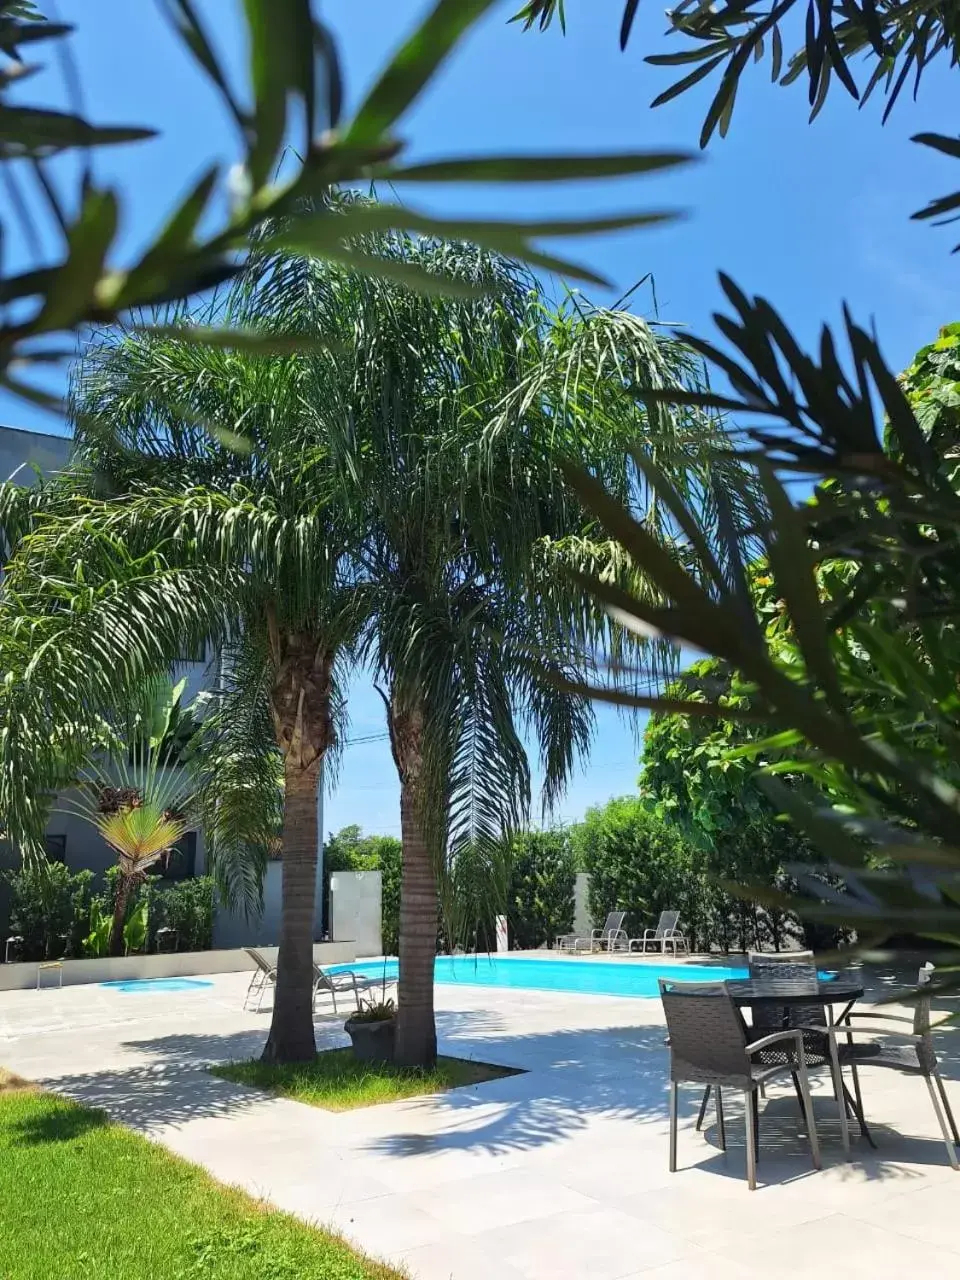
911 1052
795 966
709 1045
811 1019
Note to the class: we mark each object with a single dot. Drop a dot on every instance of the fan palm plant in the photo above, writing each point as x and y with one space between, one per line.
139 792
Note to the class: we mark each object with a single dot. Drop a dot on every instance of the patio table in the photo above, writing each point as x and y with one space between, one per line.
752 993
787 993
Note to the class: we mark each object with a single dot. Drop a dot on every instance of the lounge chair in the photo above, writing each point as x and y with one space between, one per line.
910 1051
612 937
710 1045
666 934
264 978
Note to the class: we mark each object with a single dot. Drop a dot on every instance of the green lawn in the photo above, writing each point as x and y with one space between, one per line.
81 1199
335 1079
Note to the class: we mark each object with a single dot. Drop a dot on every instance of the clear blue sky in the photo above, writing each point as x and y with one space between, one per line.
809 216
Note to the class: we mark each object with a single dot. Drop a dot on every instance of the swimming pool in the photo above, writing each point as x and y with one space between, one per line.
156 984
589 977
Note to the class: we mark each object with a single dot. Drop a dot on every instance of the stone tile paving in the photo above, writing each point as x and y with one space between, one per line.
559 1172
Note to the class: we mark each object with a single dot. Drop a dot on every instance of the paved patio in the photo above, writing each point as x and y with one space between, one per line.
559 1172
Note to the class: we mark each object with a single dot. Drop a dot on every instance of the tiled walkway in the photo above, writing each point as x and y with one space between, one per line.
559 1172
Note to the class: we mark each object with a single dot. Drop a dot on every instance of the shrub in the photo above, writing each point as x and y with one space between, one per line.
391 867
186 906
50 909
540 902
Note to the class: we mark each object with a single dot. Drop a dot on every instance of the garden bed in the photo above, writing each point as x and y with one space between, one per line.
336 1081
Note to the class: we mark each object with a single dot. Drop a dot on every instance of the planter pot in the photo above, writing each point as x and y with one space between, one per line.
372 1041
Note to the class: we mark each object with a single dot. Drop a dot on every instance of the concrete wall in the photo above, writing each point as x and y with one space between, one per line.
582 919
21 977
355 909
22 451
234 929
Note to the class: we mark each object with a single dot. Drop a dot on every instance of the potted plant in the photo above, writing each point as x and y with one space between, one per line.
371 1030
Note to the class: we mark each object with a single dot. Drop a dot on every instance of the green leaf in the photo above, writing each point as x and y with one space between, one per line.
408 273
71 291
413 66
793 567
540 168
281 65
157 264
660 483
681 86
358 220
31 131
13 33
949 146
248 340
191 32
826 833
326 233
27 284
626 25
648 553
658 706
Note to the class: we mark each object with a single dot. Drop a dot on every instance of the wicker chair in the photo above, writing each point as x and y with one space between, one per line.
911 1052
709 1046
811 1019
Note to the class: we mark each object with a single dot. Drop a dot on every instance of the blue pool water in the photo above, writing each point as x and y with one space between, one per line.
590 977
157 984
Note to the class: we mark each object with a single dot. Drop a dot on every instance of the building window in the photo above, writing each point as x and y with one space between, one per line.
181 862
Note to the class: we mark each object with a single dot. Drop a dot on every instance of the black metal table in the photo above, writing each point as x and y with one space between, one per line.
785 993
754 993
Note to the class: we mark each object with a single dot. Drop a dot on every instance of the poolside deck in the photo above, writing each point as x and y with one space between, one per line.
558 1172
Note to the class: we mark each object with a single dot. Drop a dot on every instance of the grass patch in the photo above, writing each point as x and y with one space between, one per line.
337 1081
83 1199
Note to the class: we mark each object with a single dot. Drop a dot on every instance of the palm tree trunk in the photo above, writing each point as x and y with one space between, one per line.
416 1036
291 1036
301 708
125 887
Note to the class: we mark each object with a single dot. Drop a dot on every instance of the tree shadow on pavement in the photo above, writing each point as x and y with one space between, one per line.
573 1080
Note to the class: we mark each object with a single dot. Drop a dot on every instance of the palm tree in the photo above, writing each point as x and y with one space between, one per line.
203 538
139 791
458 411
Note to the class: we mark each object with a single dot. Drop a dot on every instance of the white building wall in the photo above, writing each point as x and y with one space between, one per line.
355 910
